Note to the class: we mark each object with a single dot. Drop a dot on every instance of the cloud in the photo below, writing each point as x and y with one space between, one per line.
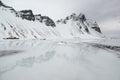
97 9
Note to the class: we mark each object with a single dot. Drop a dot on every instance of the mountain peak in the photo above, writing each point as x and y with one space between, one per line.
27 14
74 17
80 17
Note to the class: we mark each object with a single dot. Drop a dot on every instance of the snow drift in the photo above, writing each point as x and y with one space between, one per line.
26 25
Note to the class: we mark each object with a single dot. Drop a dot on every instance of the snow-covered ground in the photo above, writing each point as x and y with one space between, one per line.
59 60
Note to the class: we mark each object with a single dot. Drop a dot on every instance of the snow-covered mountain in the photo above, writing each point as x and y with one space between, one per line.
78 26
26 25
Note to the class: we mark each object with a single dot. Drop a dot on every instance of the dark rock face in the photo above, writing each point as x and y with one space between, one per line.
97 29
82 17
46 20
12 9
38 17
94 26
2 4
27 14
74 17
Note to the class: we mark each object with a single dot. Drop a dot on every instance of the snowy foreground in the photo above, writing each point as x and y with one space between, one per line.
59 60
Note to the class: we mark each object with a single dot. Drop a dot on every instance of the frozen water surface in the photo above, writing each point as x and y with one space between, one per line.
58 60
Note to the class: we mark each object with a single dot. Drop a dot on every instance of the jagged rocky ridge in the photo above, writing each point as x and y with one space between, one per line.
28 15
81 18
26 25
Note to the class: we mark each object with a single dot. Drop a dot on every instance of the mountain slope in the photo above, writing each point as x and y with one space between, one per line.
78 26
25 25
12 25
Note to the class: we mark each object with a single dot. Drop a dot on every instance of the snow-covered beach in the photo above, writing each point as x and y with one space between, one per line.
57 60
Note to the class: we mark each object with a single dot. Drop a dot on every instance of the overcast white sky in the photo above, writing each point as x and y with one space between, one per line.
105 12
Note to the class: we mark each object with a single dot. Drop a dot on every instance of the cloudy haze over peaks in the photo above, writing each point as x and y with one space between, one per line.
105 12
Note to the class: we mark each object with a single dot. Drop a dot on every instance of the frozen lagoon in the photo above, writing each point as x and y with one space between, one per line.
58 60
